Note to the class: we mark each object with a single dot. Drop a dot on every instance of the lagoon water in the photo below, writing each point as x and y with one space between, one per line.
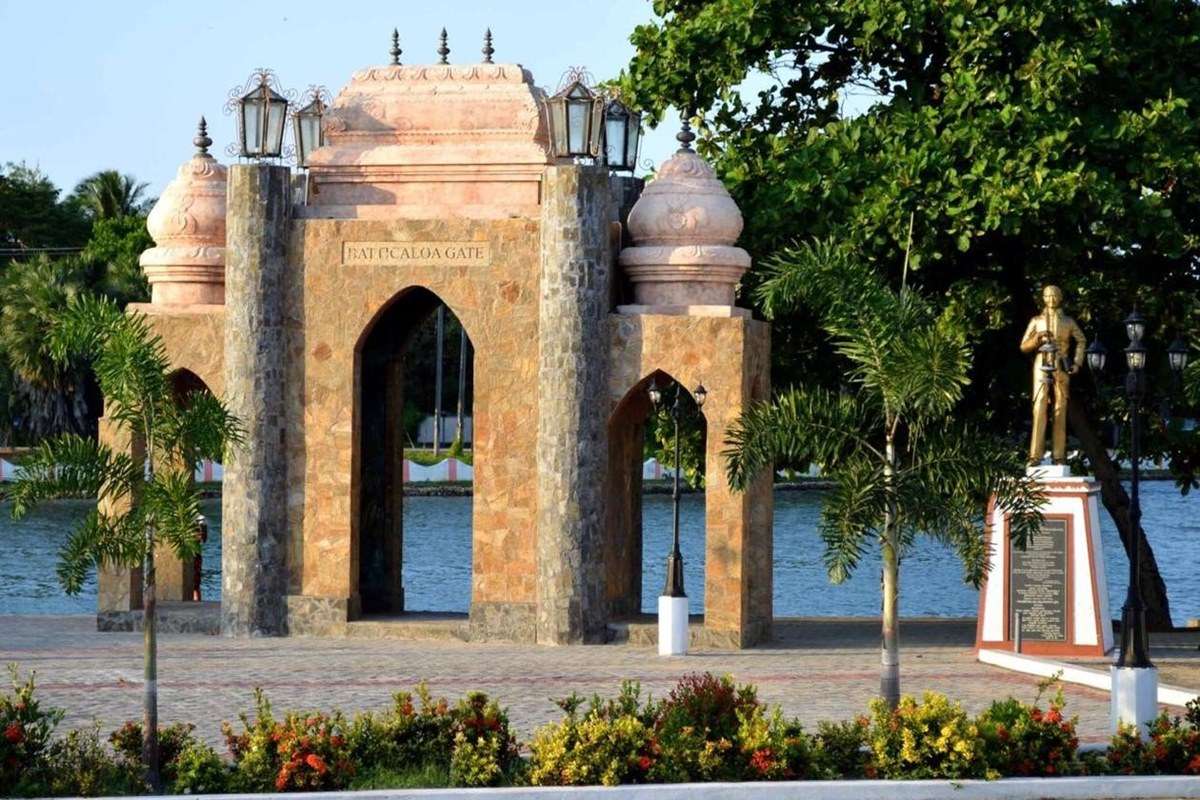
437 559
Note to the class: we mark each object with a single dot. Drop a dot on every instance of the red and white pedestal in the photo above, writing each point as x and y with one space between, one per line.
1054 591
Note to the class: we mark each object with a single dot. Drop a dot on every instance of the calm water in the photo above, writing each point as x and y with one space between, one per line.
438 559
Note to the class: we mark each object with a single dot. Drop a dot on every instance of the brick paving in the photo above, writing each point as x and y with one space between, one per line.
816 669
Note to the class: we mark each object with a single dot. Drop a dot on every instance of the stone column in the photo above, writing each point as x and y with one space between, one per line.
254 497
575 284
119 589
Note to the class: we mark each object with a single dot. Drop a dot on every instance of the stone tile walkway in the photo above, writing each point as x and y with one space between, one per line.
817 669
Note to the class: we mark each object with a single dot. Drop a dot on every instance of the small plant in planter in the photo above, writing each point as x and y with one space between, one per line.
25 730
931 739
1172 746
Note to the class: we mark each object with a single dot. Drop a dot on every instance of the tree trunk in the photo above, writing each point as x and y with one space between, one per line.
150 659
889 676
1116 501
437 382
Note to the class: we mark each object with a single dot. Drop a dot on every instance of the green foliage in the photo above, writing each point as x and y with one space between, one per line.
931 739
901 461
610 743
199 770
115 247
31 215
303 752
132 370
660 437
173 740
425 777
108 194
78 765
1025 740
1032 142
839 749
25 731
1172 746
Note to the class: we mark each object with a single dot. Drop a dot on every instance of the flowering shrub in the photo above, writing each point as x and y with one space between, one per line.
25 730
610 744
931 739
304 752
696 728
471 743
1172 746
1024 740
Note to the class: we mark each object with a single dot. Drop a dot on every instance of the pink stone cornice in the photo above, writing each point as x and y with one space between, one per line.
435 114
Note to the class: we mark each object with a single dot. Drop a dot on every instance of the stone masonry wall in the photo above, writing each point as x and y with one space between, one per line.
731 357
572 456
332 307
254 502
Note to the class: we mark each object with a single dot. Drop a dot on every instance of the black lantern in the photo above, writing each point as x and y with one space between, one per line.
701 394
655 392
1097 356
622 133
306 125
1177 355
575 118
261 108
1135 326
1135 355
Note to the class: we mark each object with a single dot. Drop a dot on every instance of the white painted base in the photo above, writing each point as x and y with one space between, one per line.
1134 697
672 626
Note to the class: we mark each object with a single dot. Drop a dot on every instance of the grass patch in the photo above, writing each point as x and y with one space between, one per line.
429 776
426 458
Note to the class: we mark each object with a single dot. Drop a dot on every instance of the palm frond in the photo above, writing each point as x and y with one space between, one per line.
71 466
199 426
100 540
852 515
171 504
799 426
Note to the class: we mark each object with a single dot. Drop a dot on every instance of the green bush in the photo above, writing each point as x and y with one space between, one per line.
127 743
79 765
404 737
199 770
1171 747
1024 740
25 731
840 749
610 744
931 739
303 752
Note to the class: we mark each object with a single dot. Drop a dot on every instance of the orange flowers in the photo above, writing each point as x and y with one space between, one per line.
14 733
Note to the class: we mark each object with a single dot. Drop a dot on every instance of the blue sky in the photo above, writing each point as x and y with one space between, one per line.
96 84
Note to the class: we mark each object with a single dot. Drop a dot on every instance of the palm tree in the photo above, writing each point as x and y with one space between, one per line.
144 503
901 461
47 395
109 195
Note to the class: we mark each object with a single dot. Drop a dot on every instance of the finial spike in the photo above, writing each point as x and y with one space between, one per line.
685 137
487 47
201 139
443 50
395 51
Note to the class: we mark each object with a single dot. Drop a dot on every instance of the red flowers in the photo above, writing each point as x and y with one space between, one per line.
14 733
316 762
762 761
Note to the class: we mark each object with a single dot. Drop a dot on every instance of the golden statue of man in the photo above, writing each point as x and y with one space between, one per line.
1049 334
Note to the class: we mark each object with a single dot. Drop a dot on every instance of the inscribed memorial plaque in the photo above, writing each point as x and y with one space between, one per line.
425 254
1038 584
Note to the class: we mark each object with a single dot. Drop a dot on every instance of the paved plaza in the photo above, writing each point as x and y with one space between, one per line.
815 669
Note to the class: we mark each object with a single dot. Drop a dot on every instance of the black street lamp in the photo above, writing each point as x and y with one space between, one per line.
1135 650
306 124
260 107
674 581
575 118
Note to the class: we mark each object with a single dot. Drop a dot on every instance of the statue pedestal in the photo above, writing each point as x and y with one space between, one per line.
1051 598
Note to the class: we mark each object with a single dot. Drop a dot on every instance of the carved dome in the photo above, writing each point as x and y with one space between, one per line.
187 264
683 228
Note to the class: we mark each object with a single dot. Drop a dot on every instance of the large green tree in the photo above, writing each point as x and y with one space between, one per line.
1031 141
901 461
32 216
109 194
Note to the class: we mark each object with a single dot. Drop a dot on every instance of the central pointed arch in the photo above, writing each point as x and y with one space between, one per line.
385 386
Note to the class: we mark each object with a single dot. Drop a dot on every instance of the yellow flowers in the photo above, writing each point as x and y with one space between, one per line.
933 738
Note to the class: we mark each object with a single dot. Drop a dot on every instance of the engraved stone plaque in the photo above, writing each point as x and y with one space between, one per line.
1038 584
414 254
